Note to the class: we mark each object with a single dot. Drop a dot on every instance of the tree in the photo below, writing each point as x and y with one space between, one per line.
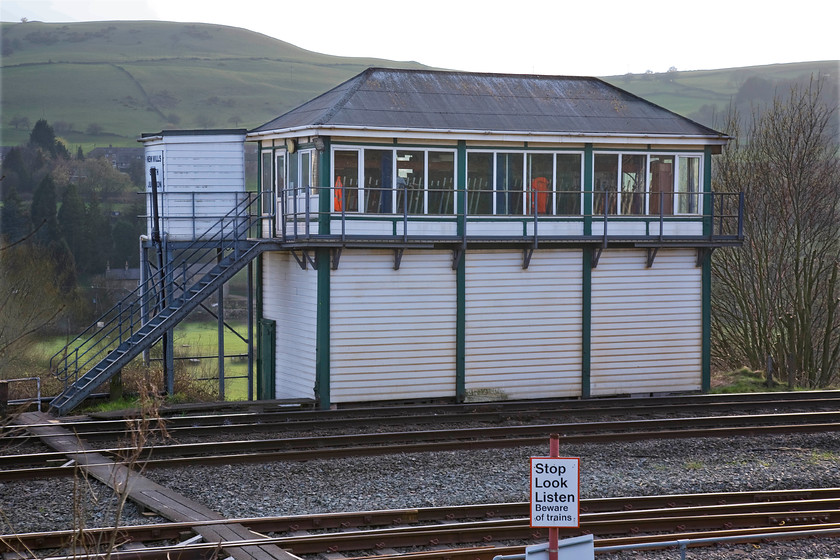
98 238
777 296
73 224
29 298
43 136
14 224
43 212
20 122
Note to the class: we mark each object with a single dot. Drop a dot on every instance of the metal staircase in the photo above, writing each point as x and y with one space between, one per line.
191 274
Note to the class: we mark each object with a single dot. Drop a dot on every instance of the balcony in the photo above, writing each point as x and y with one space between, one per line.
482 217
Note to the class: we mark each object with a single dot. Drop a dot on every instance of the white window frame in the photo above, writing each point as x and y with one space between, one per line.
675 193
526 192
394 175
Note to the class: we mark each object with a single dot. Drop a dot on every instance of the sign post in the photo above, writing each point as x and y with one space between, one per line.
555 493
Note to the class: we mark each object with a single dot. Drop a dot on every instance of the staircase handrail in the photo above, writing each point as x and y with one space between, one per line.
109 327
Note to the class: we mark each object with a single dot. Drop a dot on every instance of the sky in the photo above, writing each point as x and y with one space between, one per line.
580 38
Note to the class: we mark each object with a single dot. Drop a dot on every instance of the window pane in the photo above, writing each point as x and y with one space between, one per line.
279 184
294 181
688 187
479 183
441 183
509 168
305 171
606 183
568 184
314 183
410 166
378 179
633 174
345 183
661 185
265 181
541 187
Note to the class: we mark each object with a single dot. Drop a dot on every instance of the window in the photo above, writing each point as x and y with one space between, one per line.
661 185
606 183
441 187
633 191
411 168
509 171
265 181
520 184
688 185
280 174
569 179
377 184
391 181
540 185
479 183
345 181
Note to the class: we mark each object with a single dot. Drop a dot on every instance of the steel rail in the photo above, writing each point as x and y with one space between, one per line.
693 526
653 426
305 449
229 416
104 425
598 509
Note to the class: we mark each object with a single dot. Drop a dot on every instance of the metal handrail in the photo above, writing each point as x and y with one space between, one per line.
120 322
724 215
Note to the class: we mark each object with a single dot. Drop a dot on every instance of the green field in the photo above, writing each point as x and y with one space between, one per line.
130 77
197 378
105 83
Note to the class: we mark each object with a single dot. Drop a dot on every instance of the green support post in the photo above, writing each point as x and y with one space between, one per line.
461 282
322 345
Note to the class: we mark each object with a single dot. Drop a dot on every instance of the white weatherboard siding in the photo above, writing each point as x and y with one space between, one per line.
523 326
646 323
290 298
392 332
202 179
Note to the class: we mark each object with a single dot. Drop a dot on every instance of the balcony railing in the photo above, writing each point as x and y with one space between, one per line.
421 214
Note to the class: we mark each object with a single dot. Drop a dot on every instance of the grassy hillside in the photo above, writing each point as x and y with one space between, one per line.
696 93
104 83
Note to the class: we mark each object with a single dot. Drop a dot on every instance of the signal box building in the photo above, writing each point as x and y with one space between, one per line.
461 236
423 235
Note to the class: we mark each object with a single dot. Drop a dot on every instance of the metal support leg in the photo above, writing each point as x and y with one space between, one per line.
251 330
221 323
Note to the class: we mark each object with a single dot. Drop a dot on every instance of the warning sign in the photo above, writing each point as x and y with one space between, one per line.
555 492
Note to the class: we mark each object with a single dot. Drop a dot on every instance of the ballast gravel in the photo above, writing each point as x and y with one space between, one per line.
463 477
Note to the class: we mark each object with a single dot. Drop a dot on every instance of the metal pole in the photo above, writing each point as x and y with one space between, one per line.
4 398
144 292
168 338
158 242
251 330
221 316
553 533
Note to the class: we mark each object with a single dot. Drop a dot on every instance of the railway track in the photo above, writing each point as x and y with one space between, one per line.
256 417
476 533
23 466
496 528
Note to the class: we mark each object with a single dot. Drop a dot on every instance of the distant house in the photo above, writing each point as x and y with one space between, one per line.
121 158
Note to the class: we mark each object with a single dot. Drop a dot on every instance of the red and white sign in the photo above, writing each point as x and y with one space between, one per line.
555 492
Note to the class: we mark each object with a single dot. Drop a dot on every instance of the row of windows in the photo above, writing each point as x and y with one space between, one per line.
422 181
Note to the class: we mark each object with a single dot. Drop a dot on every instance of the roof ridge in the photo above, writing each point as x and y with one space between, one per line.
360 79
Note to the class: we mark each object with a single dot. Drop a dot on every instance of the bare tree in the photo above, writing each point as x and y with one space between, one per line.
29 298
777 296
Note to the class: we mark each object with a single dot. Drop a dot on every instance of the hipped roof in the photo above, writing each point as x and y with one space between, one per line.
461 101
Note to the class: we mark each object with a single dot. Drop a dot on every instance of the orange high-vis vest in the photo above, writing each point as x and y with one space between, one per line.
539 194
338 195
